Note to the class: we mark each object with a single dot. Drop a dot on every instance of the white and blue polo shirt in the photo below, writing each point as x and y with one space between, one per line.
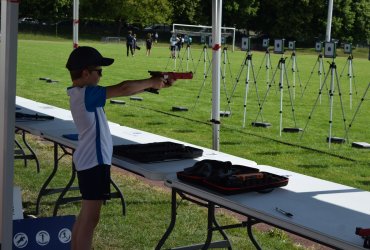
94 138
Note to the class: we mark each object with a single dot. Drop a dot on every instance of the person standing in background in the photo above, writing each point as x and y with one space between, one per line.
130 43
149 43
156 37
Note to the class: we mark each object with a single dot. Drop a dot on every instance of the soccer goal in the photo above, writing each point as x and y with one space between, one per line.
203 32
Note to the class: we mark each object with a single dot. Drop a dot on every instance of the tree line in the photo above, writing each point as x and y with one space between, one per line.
302 20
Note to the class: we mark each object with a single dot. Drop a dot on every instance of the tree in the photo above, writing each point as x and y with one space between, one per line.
185 11
45 9
361 25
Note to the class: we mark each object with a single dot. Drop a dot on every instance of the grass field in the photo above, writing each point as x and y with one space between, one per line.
309 155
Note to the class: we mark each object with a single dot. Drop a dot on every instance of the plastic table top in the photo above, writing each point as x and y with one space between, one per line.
322 210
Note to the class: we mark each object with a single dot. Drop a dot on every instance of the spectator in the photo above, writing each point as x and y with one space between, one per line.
156 37
149 43
178 43
173 42
130 43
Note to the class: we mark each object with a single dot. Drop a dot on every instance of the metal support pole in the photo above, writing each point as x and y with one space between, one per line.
76 21
216 58
350 80
8 72
328 24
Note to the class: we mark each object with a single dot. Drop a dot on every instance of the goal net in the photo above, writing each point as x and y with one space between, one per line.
204 33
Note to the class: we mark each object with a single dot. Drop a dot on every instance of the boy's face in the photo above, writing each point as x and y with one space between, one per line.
92 75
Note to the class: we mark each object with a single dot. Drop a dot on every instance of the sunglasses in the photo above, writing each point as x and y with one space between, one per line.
100 71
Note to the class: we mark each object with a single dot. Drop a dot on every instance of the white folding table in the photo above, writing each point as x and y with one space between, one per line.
323 211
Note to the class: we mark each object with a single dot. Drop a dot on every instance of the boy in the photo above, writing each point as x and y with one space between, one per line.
92 157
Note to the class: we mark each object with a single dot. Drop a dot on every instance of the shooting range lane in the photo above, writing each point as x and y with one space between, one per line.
322 211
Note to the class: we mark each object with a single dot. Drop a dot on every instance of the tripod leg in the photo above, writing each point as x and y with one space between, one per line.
291 99
238 77
341 101
357 109
266 94
200 57
246 94
331 93
282 67
314 106
202 86
299 76
309 78
255 84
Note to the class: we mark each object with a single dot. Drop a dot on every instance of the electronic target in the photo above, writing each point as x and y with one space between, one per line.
279 46
330 50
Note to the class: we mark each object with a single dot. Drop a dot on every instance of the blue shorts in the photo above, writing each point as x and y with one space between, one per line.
94 183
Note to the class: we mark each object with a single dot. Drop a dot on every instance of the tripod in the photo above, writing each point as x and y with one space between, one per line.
225 63
246 62
206 71
320 71
334 78
189 56
174 55
282 69
357 109
268 66
350 76
295 69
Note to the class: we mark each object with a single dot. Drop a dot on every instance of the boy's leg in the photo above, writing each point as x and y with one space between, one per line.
83 229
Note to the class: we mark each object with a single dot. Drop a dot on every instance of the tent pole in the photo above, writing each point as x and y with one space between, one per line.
328 23
76 21
8 70
216 59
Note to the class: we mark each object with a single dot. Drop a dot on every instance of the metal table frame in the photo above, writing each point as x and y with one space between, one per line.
20 154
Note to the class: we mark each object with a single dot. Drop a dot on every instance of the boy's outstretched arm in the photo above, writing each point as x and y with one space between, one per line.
131 87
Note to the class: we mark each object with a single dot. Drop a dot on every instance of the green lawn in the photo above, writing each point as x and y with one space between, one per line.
148 208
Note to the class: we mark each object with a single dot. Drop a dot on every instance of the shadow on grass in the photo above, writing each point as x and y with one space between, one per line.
269 153
184 131
152 202
307 166
155 123
366 183
230 143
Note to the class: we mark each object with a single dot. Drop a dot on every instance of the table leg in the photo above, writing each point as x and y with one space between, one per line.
44 190
173 220
250 223
211 218
222 232
20 151
118 194
61 200
31 150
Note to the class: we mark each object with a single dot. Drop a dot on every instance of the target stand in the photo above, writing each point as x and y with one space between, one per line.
247 62
333 80
261 124
117 102
178 108
282 69
363 145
